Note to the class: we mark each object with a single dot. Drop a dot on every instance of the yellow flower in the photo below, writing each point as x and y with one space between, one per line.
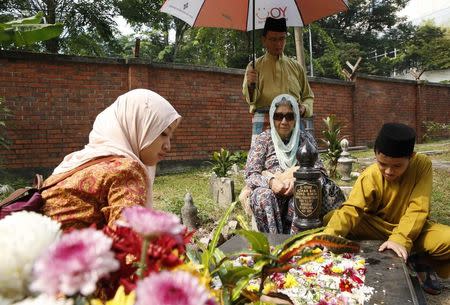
290 281
252 287
120 298
194 269
316 251
320 259
269 287
337 269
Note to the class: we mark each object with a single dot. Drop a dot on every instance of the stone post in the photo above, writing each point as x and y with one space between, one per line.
345 162
189 213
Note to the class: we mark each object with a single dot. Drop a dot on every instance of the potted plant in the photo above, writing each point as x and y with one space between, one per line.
221 184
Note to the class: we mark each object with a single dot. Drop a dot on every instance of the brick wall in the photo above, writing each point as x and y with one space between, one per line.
55 100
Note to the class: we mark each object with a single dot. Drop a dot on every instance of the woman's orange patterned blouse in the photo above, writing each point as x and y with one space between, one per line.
96 194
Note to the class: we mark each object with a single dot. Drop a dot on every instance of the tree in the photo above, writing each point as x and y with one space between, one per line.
428 50
28 31
368 26
81 18
150 20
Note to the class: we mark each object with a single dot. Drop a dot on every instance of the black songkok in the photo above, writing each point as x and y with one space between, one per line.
395 140
275 25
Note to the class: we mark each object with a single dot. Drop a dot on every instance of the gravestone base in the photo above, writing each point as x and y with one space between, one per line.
222 190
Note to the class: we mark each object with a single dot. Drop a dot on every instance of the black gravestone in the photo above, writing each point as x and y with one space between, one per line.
386 272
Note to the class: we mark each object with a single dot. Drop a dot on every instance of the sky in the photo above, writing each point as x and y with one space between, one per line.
417 11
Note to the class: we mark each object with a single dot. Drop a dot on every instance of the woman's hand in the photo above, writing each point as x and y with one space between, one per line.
289 183
277 186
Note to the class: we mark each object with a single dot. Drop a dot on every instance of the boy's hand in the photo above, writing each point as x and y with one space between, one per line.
397 248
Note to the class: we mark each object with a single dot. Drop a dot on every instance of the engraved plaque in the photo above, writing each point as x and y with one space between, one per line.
307 197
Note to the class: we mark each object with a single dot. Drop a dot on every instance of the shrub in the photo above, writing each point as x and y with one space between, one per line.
222 161
240 158
435 130
332 139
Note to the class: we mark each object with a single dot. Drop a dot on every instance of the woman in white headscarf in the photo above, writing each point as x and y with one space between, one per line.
270 166
135 132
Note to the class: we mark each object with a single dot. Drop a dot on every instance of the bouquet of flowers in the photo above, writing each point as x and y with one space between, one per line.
140 263
144 261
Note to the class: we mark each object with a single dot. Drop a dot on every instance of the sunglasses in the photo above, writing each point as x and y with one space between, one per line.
278 116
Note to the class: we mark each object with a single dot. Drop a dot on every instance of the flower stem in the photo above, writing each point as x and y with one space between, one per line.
142 262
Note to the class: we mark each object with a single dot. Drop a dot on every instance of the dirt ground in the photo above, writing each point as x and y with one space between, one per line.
440 299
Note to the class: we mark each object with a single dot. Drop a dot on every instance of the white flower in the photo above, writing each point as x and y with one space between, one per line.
4 301
44 299
23 237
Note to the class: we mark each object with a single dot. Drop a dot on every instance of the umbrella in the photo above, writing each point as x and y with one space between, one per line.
238 14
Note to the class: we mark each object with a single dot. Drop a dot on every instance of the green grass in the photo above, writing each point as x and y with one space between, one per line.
169 190
440 196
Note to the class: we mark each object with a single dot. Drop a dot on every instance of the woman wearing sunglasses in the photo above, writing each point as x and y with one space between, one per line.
270 164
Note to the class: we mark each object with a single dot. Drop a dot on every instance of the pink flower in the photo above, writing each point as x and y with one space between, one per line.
152 223
172 288
74 263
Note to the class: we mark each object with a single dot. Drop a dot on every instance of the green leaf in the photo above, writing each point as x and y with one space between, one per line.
28 30
208 254
290 241
36 19
257 240
240 285
26 34
233 275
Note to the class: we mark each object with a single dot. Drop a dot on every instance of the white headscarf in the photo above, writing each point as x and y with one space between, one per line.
286 153
126 127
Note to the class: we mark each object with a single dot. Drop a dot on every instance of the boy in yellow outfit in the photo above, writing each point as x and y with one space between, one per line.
390 201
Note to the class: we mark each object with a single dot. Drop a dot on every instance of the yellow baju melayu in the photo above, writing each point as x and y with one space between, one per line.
279 75
397 211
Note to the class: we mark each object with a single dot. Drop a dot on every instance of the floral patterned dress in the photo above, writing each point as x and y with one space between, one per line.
275 213
96 194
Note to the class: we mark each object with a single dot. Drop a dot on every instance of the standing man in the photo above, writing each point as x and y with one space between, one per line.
275 74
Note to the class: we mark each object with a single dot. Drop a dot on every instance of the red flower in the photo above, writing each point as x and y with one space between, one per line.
327 269
345 285
278 279
309 274
350 273
348 255
164 252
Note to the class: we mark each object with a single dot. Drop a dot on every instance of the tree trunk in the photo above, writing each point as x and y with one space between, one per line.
298 34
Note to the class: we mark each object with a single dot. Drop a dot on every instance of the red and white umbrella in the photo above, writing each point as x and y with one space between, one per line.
238 14
248 15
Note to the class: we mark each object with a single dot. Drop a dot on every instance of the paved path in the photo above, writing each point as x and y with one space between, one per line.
440 164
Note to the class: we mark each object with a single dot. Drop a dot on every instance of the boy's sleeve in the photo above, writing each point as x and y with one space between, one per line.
416 214
350 213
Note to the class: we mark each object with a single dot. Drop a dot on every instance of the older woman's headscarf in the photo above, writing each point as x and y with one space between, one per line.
126 127
286 153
